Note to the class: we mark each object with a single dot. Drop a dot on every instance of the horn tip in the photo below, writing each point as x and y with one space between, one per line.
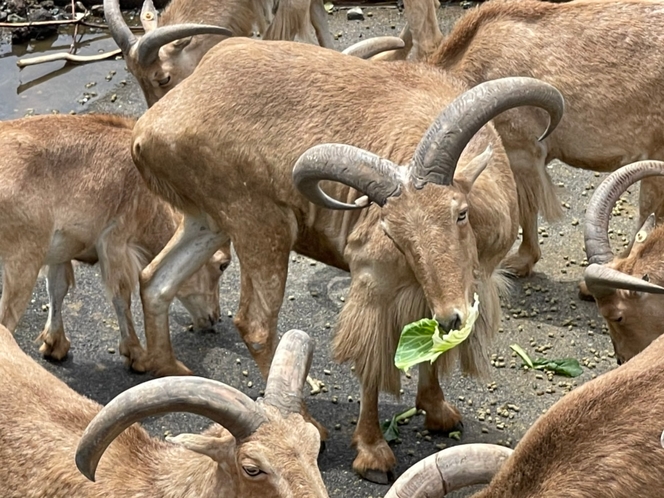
86 466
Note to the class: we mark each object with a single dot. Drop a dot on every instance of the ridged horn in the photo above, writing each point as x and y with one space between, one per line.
117 25
222 404
288 372
451 469
374 46
377 178
438 152
148 46
602 280
596 236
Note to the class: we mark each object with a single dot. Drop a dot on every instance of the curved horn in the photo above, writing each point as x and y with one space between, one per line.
375 177
117 25
288 372
601 280
222 404
374 46
436 156
150 43
451 469
596 236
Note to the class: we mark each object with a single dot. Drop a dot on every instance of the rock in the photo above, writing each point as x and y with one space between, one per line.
3 16
17 7
355 14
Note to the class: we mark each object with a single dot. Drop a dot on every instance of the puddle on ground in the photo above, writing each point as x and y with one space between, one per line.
56 86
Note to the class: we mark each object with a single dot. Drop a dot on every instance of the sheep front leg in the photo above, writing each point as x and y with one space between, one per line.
440 415
55 343
189 249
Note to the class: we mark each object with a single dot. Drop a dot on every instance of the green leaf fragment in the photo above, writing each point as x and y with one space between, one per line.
390 427
455 435
422 341
569 367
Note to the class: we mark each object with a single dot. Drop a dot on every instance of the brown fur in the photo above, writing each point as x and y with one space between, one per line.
602 439
43 420
70 191
177 60
605 57
228 165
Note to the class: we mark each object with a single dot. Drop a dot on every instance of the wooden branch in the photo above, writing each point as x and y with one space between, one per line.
78 19
78 59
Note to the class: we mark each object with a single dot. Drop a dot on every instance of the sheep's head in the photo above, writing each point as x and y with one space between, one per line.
627 290
199 294
425 209
165 55
265 446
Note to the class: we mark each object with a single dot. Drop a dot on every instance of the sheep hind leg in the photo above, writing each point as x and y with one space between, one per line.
440 415
55 343
535 193
193 244
375 460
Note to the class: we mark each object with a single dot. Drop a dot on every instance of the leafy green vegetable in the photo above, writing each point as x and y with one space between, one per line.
455 435
566 366
422 341
390 427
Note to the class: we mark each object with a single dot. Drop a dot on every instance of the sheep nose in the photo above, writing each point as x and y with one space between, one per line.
450 322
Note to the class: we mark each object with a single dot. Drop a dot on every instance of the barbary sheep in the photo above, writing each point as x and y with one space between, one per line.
431 238
627 289
608 62
70 191
259 448
174 43
602 439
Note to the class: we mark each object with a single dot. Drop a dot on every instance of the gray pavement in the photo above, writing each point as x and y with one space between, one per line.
543 312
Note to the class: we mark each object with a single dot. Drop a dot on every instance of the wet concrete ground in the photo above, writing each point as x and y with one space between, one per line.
543 312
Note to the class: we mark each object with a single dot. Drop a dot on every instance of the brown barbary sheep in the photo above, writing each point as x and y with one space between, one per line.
228 164
600 440
607 62
627 289
70 191
175 42
259 448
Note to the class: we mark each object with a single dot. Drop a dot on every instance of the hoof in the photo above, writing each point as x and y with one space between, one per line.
377 476
519 265
375 462
171 369
54 347
444 420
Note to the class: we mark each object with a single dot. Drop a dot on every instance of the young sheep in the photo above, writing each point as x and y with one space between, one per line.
259 448
70 191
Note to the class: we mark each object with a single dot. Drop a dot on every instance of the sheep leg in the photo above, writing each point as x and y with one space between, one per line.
189 249
55 343
375 460
535 193
319 20
18 280
440 415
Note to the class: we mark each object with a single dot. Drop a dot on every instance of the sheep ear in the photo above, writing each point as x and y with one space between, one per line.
219 449
474 168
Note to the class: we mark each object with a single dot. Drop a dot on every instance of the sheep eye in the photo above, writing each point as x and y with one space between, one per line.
165 81
252 471
463 216
223 266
